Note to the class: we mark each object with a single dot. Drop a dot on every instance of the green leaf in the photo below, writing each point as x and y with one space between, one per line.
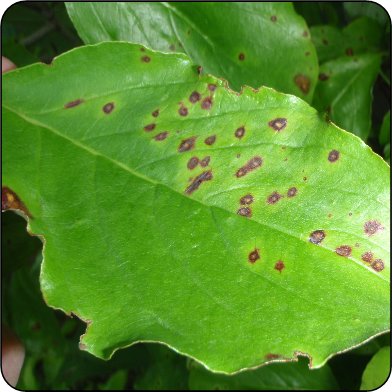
137 171
345 91
370 9
116 382
276 376
385 131
17 53
378 370
251 44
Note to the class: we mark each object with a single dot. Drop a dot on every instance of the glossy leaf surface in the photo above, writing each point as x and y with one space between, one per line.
378 370
253 44
231 227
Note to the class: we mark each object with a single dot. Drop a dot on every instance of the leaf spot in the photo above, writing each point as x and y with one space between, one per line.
145 59
142 50
245 211
279 266
73 104
155 113
194 97
323 76
292 192
161 136
108 108
324 41
240 132
187 145
377 265
207 103
254 256
205 162
367 257
212 87
317 237
192 163
210 140
183 111
171 47
254 163
278 124
274 198
305 178
206 176
246 200
372 227
349 52
333 156
149 127
343 250
305 34
272 356
303 82
10 200
241 56
273 18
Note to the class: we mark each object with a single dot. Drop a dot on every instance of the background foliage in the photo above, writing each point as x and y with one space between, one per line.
34 32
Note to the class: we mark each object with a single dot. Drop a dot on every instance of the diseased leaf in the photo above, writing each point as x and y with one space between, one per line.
378 370
236 228
251 44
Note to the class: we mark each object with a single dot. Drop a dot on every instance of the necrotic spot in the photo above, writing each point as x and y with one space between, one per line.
171 47
323 77
241 171
194 97
207 103
145 59
377 265
367 257
305 34
372 227
324 41
333 156
73 104
240 132
241 56
142 50
292 192
245 211
10 200
155 113
349 52
212 87
161 136
183 111
303 82
343 250
205 162
273 18
193 162
279 266
254 163
278 124
108 108
317 237
210 140
206 176
274 198
149 127
247 199
254 256
187 145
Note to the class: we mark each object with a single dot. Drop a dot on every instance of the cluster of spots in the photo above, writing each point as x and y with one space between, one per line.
343 250
161 136
155 113
273 18
274 198
74 103
108 108
206 176
187 144
279 266
10 200
207 103
194 97
349 52
323 76
245 211
278 124
212 87
149 127
333 156
240 132
246 200
254 163
241 57
303 82
254 256
210 140
372 227
292 192
317 236
194 161
145 59
377 265
183 111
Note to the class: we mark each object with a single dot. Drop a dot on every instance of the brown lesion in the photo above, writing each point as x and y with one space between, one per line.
74 103
11 201
206 176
